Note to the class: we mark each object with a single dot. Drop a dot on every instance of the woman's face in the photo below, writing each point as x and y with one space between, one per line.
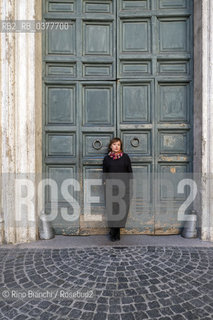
116 146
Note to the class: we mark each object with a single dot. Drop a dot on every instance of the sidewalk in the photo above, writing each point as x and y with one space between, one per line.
61 241
91 278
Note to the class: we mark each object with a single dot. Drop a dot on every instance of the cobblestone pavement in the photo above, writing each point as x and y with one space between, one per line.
137 282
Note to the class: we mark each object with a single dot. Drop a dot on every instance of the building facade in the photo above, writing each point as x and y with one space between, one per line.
140 70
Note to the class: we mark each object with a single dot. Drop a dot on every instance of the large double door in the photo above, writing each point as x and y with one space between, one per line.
118 68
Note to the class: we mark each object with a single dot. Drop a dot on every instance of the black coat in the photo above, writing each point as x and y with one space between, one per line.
118 190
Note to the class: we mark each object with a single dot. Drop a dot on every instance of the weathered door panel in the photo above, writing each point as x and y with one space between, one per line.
98 126
80 105
173 111
174 151
134 123
61 150
155 48
123 68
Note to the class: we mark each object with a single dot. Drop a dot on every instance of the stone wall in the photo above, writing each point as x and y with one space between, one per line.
21 107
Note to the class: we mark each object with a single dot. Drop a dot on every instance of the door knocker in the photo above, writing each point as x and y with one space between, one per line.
97 144
135 142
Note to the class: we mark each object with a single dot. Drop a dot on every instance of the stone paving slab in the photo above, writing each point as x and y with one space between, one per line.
60 241
107 282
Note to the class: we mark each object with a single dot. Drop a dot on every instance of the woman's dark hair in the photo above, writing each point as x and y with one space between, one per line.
115 140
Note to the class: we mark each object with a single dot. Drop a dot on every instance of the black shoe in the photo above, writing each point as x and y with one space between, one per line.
117 234
112 234
113 238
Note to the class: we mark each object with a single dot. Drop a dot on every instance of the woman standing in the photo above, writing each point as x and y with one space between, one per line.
116 165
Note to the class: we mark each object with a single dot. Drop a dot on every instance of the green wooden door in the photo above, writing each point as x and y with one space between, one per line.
121 68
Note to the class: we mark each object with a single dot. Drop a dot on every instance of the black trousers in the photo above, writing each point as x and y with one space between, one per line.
116 210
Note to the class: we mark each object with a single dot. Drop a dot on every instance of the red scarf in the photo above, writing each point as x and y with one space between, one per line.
115 156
